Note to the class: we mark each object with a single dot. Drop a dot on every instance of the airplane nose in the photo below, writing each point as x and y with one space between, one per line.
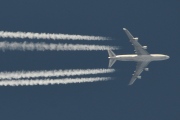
167 57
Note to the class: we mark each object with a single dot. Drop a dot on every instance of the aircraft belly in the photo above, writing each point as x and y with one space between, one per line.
137 58
128 59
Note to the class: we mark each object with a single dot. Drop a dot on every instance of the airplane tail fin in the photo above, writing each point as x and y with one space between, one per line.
111 60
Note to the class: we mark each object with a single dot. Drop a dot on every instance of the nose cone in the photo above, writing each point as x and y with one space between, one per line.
167 57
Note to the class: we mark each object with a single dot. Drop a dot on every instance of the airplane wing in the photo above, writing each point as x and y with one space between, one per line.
139 69
138 47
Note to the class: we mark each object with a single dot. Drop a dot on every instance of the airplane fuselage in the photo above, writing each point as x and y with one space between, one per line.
135 57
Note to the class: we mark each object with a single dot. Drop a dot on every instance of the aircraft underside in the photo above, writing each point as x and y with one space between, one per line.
141 57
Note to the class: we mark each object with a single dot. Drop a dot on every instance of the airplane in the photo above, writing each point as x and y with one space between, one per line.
141 56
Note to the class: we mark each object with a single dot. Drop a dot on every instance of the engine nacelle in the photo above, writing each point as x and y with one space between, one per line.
144 47
139 77
136 38
146 69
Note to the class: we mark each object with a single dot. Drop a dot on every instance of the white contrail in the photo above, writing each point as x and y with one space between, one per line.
51 46
52 73
53 36
51 81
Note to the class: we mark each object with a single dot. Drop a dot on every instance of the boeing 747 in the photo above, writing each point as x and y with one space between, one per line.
141 56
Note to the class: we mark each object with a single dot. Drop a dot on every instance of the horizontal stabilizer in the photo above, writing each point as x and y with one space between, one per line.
111 53
111 62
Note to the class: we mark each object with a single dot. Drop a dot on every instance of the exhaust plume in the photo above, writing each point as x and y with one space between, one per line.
53 36
52 47
51 81
52 73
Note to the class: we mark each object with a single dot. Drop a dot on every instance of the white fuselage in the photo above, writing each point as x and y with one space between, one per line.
135 57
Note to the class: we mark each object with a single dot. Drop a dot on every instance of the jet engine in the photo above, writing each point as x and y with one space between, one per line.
139 77
146 69
136 38
144 47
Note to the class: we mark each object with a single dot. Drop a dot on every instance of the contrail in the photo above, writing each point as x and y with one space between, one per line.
51 81
52 47
32 35
51 73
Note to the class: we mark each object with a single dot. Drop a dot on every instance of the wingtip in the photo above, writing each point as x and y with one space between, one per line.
129 84
124 28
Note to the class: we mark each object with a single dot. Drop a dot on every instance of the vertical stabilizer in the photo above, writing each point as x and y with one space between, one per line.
111 59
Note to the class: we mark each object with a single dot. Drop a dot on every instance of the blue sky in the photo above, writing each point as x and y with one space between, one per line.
155 96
